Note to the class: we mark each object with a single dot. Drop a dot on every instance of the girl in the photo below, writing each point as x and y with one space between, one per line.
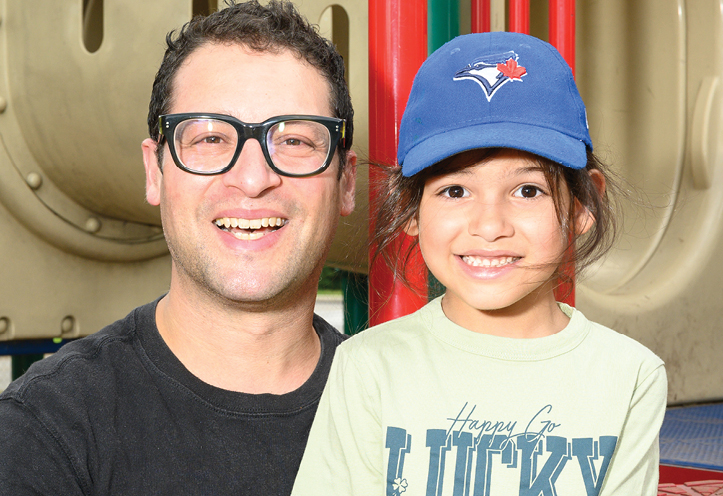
494 388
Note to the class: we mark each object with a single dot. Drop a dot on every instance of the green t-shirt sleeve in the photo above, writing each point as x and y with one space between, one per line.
634 467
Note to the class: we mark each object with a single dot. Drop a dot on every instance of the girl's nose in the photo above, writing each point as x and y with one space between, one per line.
489 220
251 174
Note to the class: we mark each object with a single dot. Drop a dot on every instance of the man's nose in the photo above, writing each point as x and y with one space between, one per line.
489 220
251 174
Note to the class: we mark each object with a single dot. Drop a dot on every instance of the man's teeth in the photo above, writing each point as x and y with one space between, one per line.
488 262
232 222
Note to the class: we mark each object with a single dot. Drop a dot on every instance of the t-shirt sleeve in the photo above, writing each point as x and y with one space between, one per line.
634 467
32 462
344 455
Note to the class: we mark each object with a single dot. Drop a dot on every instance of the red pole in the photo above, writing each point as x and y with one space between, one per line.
397 48
562 37
520 16
562 29
481 16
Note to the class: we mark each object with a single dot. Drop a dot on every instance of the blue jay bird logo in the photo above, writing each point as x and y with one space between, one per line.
491 72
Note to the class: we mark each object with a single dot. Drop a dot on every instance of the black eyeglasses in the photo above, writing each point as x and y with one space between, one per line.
294 145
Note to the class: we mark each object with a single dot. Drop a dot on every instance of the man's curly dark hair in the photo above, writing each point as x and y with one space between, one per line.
271 28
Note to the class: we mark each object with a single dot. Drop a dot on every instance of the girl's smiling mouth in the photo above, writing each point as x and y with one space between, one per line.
475 261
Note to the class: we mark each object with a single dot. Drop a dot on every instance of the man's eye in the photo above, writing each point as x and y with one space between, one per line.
208 139
299 142
454 192
528 191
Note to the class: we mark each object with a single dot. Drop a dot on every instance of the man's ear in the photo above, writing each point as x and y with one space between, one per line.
584 219
347 184
154 175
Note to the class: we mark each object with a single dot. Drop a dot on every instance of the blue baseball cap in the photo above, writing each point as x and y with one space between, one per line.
490 90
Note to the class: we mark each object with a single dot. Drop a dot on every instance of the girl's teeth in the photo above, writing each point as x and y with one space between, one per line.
488 262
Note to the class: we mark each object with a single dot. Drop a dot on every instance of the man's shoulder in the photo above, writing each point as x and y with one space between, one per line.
73 367
328 334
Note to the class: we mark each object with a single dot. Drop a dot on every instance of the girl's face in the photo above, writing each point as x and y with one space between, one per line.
490 234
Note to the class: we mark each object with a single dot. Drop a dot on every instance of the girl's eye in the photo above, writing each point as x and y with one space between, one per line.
528 191
454 192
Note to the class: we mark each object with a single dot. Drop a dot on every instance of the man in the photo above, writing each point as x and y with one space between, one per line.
212 388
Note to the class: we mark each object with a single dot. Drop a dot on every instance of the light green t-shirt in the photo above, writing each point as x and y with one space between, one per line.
422 407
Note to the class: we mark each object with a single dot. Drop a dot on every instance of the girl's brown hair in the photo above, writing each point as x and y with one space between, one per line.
401 197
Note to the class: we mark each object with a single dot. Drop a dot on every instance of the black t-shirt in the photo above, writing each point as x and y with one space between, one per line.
116 413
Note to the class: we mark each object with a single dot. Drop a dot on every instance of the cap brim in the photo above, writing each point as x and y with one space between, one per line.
545 142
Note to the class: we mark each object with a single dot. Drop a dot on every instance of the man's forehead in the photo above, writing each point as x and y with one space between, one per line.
273 70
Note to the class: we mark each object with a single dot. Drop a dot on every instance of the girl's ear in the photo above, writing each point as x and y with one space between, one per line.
412 227
584 219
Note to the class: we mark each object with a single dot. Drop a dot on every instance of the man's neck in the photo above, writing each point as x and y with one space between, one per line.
232 348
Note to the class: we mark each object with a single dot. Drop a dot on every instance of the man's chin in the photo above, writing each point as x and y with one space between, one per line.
264 294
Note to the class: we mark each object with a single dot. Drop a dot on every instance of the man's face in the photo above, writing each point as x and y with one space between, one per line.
266 266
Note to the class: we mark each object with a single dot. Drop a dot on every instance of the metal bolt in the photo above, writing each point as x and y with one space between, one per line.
4 325
34 180
92 225
67 325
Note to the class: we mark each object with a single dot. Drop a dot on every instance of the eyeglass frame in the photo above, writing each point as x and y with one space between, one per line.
257 131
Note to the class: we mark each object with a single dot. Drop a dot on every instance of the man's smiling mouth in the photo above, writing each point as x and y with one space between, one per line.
250 228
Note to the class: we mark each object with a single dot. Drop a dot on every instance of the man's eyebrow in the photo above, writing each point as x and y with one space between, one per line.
223 112
216 111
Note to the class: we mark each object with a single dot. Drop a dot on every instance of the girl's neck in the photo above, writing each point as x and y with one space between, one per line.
535 316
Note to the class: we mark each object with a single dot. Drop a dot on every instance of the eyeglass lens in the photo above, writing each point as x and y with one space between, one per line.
295 146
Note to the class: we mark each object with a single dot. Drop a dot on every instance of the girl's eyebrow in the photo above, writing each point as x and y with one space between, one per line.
517 171
526 170
467 171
